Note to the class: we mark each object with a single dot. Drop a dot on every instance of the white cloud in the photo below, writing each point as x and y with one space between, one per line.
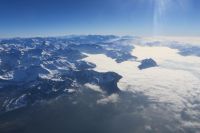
175 83
93 87
109 99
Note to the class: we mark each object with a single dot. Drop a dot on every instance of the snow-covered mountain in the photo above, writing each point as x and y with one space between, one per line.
33 69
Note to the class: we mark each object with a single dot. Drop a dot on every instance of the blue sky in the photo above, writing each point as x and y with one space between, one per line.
24 18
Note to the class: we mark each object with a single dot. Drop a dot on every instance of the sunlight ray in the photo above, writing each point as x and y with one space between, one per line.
161 8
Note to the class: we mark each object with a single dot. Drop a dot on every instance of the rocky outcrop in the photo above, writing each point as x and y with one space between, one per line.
147 63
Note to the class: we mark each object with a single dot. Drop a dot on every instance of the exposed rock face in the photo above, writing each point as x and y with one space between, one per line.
107 81
147 63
